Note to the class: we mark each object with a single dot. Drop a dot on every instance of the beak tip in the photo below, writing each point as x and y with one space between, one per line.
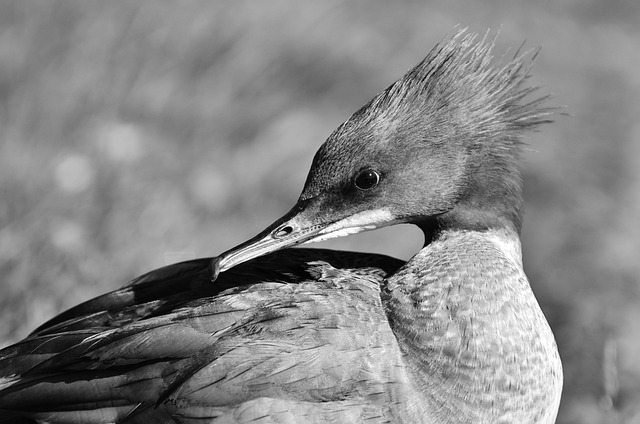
214 268
287 231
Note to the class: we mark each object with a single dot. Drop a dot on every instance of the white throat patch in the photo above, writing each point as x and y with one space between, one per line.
363 221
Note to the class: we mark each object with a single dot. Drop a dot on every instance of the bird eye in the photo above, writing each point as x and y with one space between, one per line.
367 179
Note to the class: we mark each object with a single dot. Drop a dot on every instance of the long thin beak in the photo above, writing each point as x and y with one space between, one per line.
293 228
309 220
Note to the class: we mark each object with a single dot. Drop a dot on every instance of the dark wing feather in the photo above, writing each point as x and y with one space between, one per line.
301 327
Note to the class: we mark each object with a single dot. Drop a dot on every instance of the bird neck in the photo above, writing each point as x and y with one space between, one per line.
473 336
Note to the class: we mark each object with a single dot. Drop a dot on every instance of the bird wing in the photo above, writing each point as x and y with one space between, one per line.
300 330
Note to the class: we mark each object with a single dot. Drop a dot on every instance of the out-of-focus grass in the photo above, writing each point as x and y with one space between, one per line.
134 134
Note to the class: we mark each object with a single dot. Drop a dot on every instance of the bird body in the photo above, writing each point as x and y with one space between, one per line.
265 335
302 331
472 332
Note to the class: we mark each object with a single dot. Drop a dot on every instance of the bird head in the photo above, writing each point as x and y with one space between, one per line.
439 148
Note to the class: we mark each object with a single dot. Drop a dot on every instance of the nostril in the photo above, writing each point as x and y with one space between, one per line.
283 231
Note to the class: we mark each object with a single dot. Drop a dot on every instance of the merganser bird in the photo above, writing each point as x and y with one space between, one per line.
264 335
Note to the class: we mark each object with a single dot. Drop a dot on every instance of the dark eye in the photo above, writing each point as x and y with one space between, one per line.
367 179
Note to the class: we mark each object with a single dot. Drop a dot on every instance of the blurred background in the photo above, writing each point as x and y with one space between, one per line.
137 134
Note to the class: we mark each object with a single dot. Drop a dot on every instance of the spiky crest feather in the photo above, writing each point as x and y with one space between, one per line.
457 84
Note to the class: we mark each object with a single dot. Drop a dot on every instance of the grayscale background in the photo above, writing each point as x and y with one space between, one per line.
134 134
